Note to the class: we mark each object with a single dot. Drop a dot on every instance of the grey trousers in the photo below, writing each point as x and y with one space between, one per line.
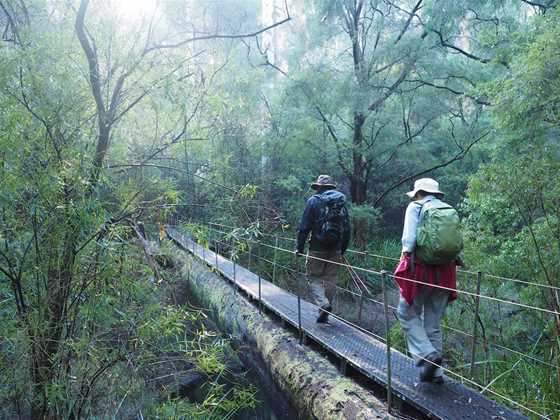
421 322
322 277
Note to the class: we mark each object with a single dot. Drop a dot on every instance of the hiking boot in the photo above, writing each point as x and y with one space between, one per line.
323 314
438 380
429 367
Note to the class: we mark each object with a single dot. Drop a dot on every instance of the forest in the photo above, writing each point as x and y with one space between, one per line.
119 118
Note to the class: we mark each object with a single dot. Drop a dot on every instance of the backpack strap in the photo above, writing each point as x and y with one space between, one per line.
420 216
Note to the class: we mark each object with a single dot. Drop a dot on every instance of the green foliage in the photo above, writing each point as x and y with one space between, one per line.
215 406
512 228
211 131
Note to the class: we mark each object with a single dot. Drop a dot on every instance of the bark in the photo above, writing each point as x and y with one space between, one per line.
358 181
361 161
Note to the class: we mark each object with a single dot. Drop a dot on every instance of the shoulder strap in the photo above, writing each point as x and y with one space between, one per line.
420 211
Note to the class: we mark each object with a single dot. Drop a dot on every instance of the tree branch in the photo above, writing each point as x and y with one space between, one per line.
335 138
455 92
216 36
457 157
542 7
151 165
12 24
91 57
147 250
409 20
376 104
446 44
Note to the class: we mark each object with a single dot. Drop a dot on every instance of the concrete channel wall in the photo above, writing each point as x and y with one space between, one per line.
313 385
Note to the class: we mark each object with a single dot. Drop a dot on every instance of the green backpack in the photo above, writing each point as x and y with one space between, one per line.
438 237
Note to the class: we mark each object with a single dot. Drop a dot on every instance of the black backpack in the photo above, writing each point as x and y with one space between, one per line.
333 221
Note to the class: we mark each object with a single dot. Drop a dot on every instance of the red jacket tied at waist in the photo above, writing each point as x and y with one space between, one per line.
442 275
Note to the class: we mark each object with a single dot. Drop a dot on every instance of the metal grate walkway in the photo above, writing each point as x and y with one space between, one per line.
360 350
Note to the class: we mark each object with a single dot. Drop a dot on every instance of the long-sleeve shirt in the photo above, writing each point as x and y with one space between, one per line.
411 219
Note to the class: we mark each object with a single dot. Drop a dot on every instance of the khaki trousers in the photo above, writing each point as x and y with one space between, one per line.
421 322
322 276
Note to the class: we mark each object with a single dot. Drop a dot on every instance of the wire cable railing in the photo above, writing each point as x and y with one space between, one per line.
385 257
437 286
484 388
348 322
462 378
394 308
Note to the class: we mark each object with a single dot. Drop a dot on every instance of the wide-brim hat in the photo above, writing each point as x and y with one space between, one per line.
323 181
428 185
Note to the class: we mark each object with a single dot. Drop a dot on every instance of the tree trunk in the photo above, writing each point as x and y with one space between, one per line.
358 181
46 344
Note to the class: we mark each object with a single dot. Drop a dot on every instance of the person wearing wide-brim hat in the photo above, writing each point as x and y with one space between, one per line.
421 306
323 183
325 244
426 186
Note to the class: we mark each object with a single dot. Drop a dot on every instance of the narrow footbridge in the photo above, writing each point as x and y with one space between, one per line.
352 346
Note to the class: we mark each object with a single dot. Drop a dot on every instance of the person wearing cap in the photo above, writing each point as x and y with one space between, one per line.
322 276
421 307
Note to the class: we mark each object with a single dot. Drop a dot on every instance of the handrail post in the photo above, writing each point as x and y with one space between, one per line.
475 326
258 256
249 262
260 297
299 304
234 279
274 261
216 252
360 308
387 339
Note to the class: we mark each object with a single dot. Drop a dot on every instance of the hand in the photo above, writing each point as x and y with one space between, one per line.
459 262
404 255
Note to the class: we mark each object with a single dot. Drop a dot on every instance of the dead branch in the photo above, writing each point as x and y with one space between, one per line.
147 248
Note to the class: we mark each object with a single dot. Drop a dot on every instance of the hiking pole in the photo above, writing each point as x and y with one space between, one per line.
355 277
347 266
363 288
352 276
353 273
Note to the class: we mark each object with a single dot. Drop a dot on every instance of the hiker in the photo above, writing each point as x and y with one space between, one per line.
431 244
326 218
